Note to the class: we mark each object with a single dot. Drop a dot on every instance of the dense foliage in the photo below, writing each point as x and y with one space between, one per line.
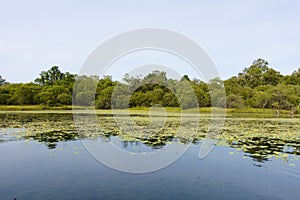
258 86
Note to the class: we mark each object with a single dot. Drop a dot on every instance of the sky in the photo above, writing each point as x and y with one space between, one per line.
36 35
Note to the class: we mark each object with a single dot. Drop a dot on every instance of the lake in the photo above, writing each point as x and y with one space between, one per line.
43 157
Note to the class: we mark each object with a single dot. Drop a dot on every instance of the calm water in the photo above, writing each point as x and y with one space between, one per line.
50 162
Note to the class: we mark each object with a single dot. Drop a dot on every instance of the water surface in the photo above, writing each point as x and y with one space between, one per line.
42 157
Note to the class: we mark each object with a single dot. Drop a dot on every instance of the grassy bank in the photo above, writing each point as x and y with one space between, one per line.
250 112
32 108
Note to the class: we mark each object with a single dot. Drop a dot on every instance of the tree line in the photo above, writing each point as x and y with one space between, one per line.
257 86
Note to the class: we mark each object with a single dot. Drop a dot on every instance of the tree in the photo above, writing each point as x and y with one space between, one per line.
120 96
104 83
26 94
169 99
186 95
54 95
84 90
259 73
132 82
281 96
50 77
257 86
217 92
253 75
103 100
234 101
294 78
186 77
2 81
84 98
4 95
156 77
171 84
272 77
137 99
156 96
64 99
202 96
261 99
67 81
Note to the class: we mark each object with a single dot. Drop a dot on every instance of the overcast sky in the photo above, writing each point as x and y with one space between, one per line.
36 35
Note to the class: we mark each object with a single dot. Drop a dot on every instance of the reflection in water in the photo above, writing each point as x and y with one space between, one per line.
259 139
52 138
66 170
260 148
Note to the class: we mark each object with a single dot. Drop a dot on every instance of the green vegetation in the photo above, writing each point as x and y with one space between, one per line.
258 87
34 107
260 139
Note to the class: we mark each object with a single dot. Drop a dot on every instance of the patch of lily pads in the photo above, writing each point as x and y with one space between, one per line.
261 139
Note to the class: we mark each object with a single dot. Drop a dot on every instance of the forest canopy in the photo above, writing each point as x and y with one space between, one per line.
257 86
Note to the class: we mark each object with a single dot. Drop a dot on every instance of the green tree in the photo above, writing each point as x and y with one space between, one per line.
132 82
284 97
103 100
4 94
54 95
294 78
186 95
202 96
104 83
234 101
2 81
26 94
259 73
272 77
11 89
261 99
156 96
50 77
67 81
170 100
217 92
156 77
201 91
186 77
64 99
84 90
253 75
84 98
120 97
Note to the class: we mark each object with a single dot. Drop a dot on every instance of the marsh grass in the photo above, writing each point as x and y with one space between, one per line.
245 112
32 107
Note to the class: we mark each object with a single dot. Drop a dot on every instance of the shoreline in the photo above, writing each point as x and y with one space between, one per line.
246 112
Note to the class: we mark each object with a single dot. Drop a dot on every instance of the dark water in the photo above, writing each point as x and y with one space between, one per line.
52 165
